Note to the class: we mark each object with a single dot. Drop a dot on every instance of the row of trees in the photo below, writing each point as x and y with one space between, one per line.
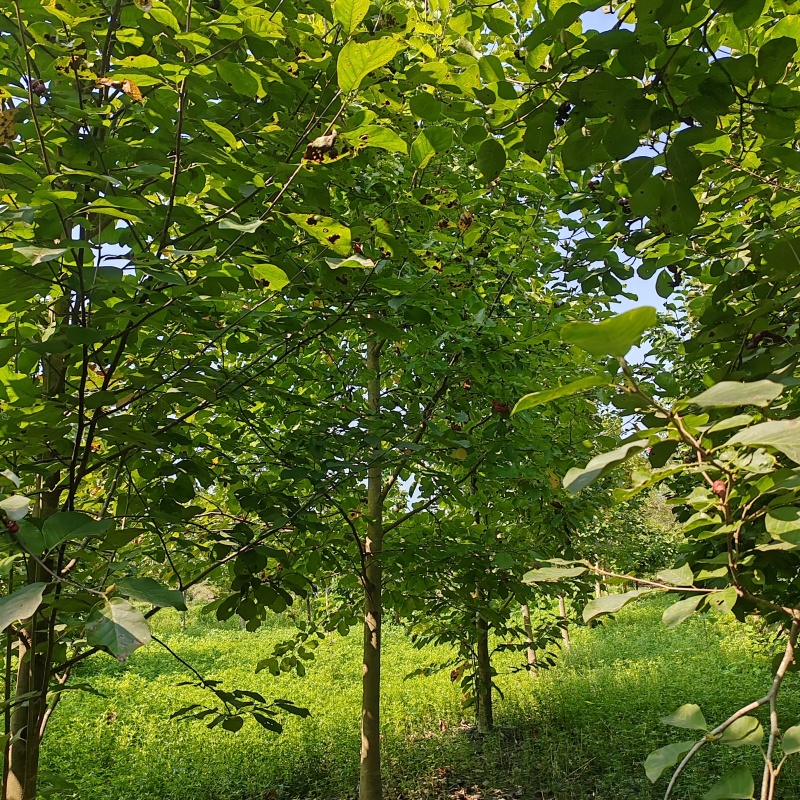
277 273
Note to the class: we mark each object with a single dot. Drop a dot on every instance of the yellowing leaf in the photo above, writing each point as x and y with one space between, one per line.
325 230
7 133
349 13
357 60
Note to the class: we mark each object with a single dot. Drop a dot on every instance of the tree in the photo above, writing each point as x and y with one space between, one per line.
186 186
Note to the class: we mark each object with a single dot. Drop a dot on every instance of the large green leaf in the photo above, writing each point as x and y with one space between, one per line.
736 785
681 611
677 577
546 395
728 394
491 159
664 758
688 716
611 603
579 478
148 590
66 525
431 141
547 574
790 740
611 337
679 208
783 522
21 604
743 731
783 436
115 625
357 60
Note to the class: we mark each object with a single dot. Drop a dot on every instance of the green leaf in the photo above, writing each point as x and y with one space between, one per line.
21 604
430 142
728 394
66 525
611 603
38 255
491 159
743 731
783 436
116 626
229 224
325 230
736 785
579 478
546 395
620 140
147 590
376 136
350 13
611 337
677 577
546 574
221 133
425 106
688 716
357 60
790 740
681 611
275 276
233 723
683 165
664 758
579 152
679 208
782 521
773 58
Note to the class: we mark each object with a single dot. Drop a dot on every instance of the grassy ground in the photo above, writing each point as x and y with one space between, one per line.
579 731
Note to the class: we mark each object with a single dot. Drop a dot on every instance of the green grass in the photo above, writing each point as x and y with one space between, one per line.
578 731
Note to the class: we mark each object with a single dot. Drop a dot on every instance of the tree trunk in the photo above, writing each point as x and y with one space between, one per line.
598 585
484 678
26 719
370 785
35 647
533 664
562 612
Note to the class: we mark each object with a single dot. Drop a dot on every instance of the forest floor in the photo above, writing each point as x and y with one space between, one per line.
579 731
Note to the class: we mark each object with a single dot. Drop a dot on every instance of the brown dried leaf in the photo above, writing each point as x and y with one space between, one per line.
132 90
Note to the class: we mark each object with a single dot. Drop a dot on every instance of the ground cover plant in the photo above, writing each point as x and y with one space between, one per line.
581 729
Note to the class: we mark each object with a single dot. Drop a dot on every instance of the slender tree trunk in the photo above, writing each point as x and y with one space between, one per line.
32 677
35 647
484 678
598 585
562 612
370 784
533 664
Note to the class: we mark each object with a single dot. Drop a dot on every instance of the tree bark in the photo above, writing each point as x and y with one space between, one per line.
562 612
533 664
484 678
35 648
370 785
